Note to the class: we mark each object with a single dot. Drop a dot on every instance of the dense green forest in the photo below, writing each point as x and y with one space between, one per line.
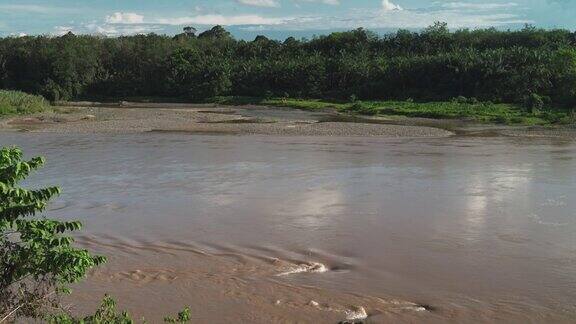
435 64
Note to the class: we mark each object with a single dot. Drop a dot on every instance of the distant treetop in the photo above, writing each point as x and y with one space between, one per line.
216 32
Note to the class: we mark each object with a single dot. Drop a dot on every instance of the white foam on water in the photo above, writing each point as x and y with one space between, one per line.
356 315
555 202
417 308
540 221
312 267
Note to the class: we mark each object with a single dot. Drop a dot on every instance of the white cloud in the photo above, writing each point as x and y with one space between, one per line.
222 20
124 18
458 14
62 30
478 6
387 5
260 3
328 2
396 17
36 9
26 8
116 24
18 35
130 23
105 29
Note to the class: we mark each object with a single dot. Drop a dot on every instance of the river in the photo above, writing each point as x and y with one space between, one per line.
475 229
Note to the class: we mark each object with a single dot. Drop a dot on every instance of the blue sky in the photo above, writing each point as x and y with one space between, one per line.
276 18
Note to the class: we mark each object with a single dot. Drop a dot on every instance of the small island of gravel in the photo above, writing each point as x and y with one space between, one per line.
207 119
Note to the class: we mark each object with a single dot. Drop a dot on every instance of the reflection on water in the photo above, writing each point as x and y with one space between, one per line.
483 227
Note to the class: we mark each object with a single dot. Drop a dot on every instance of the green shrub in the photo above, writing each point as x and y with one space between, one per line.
268 95
16 102
107 314
534 102
360 108
460 99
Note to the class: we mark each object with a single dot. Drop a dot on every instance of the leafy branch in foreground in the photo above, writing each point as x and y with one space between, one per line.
107 314
37 259
182 317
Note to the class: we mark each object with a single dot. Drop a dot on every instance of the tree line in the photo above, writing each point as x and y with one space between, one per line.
429 65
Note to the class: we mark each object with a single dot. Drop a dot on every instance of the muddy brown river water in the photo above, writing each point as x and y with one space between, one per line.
241 228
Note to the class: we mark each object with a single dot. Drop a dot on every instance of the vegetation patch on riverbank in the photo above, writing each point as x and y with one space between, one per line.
458 108
20 103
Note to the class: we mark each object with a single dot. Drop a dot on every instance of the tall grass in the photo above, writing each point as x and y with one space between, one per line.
19 103
473 111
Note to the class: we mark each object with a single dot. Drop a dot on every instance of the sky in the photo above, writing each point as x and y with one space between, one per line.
274 18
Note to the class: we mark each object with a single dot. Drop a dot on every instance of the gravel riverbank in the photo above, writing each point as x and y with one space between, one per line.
244 120
254 120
